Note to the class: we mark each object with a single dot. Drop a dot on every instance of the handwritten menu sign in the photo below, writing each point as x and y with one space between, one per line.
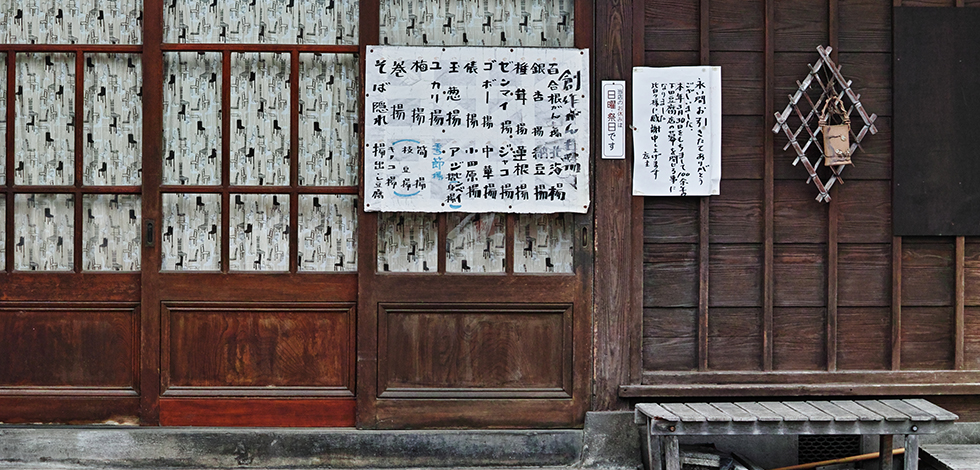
676 131
476 129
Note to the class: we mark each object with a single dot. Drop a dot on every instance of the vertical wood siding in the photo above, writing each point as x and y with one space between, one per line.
763 283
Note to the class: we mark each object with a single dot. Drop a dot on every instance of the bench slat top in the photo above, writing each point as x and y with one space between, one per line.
814 411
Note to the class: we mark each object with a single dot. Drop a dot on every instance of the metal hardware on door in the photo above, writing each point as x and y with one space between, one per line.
149 233
585 235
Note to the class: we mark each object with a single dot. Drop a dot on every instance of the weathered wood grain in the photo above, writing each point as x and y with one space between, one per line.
742 155
741 82
927 273
736 275
670 276
864 275
737 25
800 26
670 220
671 25
797 217
871 74
736 214
799 339
927 338
864 338
865 26
865 212
735 339
800 276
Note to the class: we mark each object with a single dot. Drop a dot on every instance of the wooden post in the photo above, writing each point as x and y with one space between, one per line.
672 453
885 450
911 452
655 453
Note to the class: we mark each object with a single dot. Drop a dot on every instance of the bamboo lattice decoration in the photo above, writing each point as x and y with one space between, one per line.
805 140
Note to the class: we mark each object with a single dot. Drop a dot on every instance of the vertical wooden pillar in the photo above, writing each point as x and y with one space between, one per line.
615 341
833 26
885 444
768 189
704 212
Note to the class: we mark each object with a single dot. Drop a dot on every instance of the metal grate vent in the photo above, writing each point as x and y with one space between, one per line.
820 448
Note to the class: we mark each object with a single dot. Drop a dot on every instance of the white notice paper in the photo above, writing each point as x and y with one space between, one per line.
676 131
476 129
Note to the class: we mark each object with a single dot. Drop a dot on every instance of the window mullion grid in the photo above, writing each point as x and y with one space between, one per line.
79 155
9 183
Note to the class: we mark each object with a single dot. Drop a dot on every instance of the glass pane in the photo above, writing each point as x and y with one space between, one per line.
407 242
475 243
545 243
192 118
45 152
261 21
327 232
76 22
111 232
260 119
519 23
260 233
44 227
191 232
328 140
3 120
113 121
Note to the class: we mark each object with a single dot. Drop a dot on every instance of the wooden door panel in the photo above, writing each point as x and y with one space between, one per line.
461 350
257 348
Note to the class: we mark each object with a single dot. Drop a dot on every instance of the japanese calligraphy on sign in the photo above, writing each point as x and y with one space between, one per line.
476 129
676 131
614 119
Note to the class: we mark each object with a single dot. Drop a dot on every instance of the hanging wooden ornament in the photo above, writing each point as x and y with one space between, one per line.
809 133
836 137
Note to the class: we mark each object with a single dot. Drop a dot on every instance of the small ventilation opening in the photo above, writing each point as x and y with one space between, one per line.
820 448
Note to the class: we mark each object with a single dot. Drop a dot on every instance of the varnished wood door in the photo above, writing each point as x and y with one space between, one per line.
476 320
253 197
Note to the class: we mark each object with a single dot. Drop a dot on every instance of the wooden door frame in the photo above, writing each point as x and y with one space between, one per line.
450 410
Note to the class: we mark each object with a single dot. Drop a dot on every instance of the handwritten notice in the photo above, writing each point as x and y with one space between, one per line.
476 129
676 131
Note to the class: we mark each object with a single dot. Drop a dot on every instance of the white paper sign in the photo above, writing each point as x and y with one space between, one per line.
476 129
613 119
676 131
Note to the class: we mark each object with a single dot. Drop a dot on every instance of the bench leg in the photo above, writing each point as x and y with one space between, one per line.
655 453
672 453
885 446
911 452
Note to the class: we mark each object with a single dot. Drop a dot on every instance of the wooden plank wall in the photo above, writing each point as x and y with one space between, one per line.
767 287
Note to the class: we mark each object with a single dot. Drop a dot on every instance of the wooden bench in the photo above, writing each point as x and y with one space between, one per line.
909 418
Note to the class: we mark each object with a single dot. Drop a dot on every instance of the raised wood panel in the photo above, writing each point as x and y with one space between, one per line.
800 275
742 155
799 338
670 338
863 338
670 275
68 345
736 214
927 338
864 212
800 26
670 25
735 273
33 409
797 217
255 349
865 26
239 412
670 220
864 274
971 338
874 160
489 351
735 339
670 58
741 82
927 273
737 25
871 74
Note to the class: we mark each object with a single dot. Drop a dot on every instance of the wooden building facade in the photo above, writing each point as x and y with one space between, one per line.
190 285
